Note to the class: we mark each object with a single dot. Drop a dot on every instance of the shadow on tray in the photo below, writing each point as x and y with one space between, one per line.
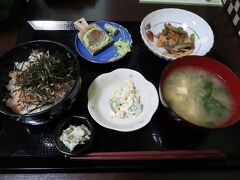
178 136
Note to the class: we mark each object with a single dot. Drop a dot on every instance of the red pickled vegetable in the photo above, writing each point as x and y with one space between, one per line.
150 36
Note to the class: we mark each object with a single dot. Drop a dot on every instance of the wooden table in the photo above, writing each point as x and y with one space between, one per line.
119 10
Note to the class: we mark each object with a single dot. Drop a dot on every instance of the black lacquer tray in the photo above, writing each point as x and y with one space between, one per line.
31 148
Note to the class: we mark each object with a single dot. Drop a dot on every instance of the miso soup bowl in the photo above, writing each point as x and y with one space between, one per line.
217 69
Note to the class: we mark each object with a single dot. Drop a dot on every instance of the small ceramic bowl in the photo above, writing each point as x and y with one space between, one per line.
77 121
190 22
101 90
215 68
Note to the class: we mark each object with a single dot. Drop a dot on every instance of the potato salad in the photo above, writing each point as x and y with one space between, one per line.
125 101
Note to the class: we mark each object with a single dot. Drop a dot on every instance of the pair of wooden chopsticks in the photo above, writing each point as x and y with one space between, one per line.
152 155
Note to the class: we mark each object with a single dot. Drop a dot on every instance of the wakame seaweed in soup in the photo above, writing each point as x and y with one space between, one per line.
198 96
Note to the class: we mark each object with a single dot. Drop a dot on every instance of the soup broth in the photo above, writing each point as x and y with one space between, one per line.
198 97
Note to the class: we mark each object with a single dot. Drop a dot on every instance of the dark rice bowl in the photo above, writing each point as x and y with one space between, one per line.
20 53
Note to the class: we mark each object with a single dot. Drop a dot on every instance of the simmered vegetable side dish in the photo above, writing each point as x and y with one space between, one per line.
175 40
39 83
198 97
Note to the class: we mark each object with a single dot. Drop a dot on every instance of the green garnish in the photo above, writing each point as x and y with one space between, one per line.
122 47
43 79
111 29
210 104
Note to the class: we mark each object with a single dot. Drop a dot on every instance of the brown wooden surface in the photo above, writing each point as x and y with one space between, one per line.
229 175
93 10
114 10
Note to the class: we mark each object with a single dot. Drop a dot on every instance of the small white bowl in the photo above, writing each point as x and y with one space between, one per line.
189 21
100 93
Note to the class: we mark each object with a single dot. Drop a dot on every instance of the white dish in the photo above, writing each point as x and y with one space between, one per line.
100 92
189 21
